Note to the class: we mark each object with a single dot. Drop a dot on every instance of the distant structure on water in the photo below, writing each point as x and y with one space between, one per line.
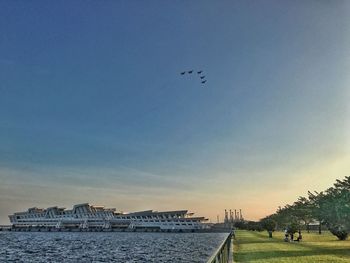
98 218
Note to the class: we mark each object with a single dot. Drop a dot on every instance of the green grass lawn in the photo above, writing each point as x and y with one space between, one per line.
252 246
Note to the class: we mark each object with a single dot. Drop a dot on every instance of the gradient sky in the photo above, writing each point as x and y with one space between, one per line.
93 107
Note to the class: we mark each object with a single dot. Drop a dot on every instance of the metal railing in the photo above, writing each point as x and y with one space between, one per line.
223 253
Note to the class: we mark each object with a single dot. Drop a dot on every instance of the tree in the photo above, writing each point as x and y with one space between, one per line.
254 226
332 207
302 211
240 225
269 224
315 209
293 228
281 217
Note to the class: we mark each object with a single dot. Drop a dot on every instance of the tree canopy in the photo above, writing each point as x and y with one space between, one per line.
330 208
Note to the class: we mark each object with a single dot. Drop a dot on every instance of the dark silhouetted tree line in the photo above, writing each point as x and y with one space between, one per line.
330 208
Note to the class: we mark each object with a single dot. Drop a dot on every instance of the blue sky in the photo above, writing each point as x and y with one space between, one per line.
93 106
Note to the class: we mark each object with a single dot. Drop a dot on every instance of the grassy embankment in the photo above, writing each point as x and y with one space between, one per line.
257 247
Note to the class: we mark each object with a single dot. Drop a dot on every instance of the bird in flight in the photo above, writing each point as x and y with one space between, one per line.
200 74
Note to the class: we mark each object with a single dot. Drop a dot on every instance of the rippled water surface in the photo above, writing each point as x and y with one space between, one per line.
107 247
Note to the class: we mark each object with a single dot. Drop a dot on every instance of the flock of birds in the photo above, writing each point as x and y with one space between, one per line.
199 73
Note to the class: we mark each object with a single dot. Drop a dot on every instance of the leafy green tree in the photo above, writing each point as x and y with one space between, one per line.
293 227
332 207
302 210
281 217
314 199
269 224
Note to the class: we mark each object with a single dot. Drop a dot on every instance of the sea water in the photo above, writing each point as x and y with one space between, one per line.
107 246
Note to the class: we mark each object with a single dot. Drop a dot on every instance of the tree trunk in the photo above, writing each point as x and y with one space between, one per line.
319 229
270 234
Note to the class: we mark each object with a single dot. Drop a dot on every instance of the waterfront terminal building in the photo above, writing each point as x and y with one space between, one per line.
86 217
